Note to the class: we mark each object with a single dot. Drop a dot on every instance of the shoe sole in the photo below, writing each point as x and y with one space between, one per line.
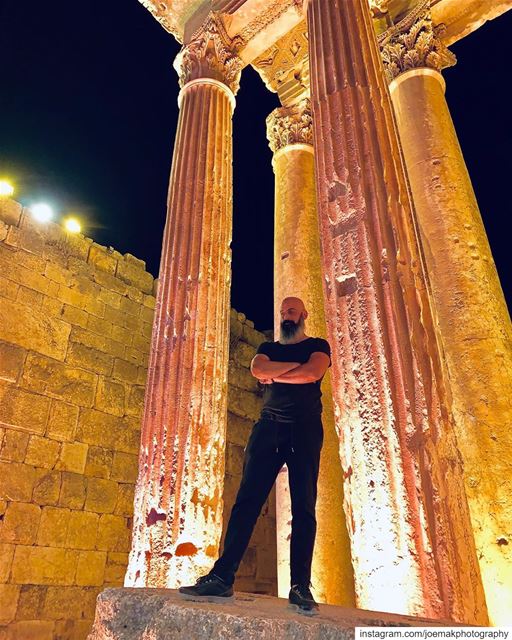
303 612
215 599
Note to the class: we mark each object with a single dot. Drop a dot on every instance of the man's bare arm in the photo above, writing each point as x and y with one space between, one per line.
311 371
263 367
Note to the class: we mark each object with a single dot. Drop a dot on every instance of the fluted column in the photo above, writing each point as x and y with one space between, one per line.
412 546
297 272
178 498
470 307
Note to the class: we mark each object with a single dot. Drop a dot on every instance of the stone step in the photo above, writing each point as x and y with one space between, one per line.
161 614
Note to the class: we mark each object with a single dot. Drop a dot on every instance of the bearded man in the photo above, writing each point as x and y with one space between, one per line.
290 432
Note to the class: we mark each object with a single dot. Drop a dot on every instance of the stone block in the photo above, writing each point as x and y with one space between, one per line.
122 334
72 603
90 359
20 523
57 273
133 275
130 307
58 380
73 490
99 325
31 601
74 315
52 307
13 447
136 356
101 495
47 488
115 570
125 467
90 571
147 329
114 533
10 211
44 565
116 349
99 462
102 258
243 354
129 437
8 288
99 428
243 403
251 336
135 404
88 338
125 497
149 301
73 456
9 595
42 452
135 294
72 629
110 282
63 421
125 371
238 429
12 359
116 315
6 557
22 409
234 459
82 530
110 397
29 297
141 342
31 630
241 377
53 528
111 299
17 481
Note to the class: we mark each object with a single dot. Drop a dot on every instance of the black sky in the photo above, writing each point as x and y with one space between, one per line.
88 112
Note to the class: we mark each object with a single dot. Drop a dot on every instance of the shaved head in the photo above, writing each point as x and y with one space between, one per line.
293 313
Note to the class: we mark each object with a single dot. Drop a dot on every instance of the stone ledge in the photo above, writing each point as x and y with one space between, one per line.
161 614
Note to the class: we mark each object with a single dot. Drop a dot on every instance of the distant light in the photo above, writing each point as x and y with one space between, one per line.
6 188
42 212
72 225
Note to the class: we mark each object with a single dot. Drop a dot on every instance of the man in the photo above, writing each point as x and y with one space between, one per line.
289 431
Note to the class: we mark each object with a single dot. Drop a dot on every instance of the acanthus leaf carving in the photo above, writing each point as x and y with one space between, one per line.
290 125
211 53
414 43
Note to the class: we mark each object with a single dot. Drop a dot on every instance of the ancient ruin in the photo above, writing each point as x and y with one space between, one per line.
379 232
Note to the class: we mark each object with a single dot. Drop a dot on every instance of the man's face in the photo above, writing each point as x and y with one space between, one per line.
291 320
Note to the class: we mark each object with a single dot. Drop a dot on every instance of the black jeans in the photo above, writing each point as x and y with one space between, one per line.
272 444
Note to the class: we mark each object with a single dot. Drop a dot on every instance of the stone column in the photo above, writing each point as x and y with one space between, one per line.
178 499
471 311
412 546
297 272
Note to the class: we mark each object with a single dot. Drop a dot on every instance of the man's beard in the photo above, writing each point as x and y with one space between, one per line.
289 328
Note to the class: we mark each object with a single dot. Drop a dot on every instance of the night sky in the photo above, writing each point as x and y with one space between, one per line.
88 112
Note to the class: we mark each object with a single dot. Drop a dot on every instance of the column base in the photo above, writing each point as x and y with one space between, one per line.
161 614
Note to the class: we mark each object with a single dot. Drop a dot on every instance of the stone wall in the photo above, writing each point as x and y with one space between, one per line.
75 329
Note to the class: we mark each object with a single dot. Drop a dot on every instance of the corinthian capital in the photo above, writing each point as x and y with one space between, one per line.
211 53
413 43
290 125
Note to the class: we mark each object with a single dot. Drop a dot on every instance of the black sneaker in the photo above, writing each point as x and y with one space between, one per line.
300 599
209 588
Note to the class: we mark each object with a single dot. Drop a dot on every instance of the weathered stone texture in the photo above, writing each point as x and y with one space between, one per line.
75 330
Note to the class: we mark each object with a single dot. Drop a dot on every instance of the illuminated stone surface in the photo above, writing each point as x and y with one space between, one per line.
138 614
471 311
297 272
412 546
178 498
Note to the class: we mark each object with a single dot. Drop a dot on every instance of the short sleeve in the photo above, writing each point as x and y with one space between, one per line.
264 348
323 346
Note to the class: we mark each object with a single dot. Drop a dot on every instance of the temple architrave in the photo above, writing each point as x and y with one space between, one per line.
378 230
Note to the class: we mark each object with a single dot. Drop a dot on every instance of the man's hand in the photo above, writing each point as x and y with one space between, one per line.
265 380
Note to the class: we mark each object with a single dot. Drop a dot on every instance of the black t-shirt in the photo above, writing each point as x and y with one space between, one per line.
287 401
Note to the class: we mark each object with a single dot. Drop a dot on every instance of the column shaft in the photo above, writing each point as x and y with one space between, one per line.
178 501
412 546
472 315
297 272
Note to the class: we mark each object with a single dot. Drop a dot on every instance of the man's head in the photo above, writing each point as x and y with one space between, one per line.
293 313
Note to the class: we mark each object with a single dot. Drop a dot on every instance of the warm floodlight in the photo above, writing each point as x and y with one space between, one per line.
72 225
6 188
42 212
